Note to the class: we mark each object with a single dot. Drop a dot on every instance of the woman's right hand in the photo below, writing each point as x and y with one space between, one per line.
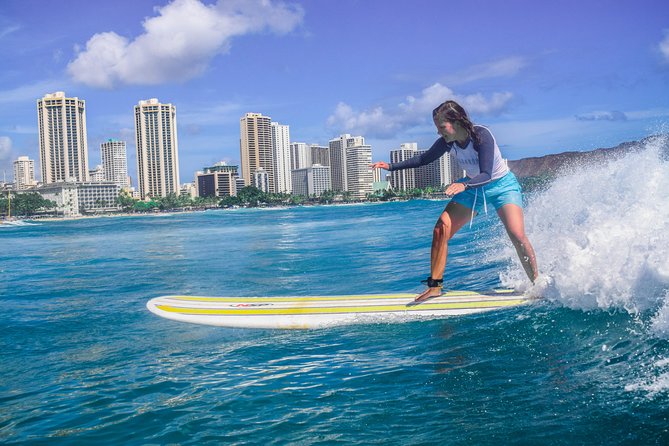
380 165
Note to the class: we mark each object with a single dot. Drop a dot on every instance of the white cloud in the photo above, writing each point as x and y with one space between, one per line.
5 148
414 111
179 42
664 46
614 115
8 30
648 114
507 67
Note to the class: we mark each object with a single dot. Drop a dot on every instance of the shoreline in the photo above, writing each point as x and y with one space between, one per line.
190 211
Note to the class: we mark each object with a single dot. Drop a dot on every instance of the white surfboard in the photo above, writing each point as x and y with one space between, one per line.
324 311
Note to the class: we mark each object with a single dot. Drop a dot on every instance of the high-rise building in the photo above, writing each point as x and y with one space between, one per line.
320 155
239 183
261 179
311 181
337 149
217 181
377 173
358 171
77 198
96 175
157 149
63 147
115 162
441 172
300 156
255 147
281 155
188 190
404 179
24 173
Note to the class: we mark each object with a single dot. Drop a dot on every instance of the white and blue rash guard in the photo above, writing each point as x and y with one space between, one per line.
481 161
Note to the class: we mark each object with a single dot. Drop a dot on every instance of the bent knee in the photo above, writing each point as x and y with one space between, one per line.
443 224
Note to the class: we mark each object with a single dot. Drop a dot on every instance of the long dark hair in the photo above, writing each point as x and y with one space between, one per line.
453 111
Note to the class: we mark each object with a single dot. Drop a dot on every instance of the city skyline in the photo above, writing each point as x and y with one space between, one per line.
544 78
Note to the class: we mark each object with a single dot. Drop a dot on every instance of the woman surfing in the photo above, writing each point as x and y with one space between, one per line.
488 180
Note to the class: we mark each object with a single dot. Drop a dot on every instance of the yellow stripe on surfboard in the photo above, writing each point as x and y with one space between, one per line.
330 298
331 310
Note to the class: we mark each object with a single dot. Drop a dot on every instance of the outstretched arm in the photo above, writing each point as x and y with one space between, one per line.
439 147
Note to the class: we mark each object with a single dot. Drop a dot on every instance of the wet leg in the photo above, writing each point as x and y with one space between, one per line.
514 222
449 223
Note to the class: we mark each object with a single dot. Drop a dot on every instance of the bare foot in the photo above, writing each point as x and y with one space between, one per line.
428 293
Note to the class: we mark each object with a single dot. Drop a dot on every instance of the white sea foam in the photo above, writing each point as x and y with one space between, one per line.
601 234
658 383
651 387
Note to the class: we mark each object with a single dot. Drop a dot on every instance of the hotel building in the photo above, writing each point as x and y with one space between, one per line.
115 162
261 180
337 150
63 148
255 148
157 148
311 181
404 179
281 155
320 155
96 175
300 156
217 181
440 172
24 173
75 198
359 175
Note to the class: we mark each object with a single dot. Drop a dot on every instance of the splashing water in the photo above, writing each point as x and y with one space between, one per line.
601 233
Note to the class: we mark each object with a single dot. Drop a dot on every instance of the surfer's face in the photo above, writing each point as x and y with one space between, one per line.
446 127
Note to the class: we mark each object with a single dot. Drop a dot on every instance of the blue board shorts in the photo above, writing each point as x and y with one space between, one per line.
505 190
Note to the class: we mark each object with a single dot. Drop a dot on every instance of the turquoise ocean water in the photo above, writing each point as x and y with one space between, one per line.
84 362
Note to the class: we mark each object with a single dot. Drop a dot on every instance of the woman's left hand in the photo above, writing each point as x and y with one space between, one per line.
454 189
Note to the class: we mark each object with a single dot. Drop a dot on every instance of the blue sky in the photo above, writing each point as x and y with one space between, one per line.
544 76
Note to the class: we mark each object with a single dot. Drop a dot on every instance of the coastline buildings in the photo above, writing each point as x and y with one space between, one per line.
261 180
300 156
188 190
255 148
359 174
268 158
440 172
77 198
115 162
320 155
338 169
96 175
157 148
311 181
404 179
24 173
63 146
218 180
281 155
